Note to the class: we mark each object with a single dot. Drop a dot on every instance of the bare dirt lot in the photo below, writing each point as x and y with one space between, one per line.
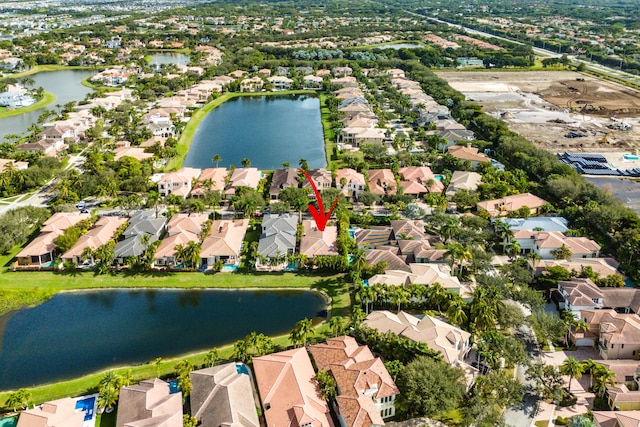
557 110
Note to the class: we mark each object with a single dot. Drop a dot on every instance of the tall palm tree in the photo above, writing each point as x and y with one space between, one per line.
192 253
359 260
573 368
180 252
455 312
437 295
336 324
400 296
108 398
535 258
241 350
245 162
602 378
304 329
514 249
216 159
448 228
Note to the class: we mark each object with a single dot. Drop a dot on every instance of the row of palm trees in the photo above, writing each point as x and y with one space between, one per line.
601 376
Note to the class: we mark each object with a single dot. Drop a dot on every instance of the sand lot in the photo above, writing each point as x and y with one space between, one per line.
544 106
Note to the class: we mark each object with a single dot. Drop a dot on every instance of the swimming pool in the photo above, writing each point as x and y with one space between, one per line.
8 421
229 267
87 406
241 368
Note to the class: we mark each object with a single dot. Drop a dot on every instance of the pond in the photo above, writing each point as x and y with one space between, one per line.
398 46
169 58
267 130
64 84
77 333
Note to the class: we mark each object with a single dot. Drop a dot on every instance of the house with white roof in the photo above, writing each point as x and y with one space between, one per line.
179 182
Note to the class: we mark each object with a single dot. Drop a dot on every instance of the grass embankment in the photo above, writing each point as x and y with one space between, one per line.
190 129
391 43
327 131
23 283
41 68
86 83
47 98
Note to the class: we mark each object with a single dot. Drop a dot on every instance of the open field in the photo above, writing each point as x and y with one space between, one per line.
544 106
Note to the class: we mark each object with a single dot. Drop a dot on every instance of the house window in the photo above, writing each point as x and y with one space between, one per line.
611 345
621 345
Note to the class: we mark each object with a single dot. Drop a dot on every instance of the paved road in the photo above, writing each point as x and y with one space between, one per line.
612 72
524 414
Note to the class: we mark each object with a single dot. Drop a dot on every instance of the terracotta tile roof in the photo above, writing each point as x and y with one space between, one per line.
467 153
101 234
382 181
217 177
360 377
617 418
412 229
448 340
511 203
225 238
289 394
394 262
420 174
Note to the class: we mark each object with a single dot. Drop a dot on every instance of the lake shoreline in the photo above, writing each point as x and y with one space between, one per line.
47 99
184 143
140 369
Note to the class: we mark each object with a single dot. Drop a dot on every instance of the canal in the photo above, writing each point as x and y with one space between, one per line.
77 333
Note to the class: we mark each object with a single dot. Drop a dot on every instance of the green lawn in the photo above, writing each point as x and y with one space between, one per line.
47 99
41 68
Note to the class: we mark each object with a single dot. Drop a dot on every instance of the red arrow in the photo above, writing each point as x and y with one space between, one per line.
318 215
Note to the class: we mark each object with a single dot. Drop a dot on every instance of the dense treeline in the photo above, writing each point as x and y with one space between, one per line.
599 214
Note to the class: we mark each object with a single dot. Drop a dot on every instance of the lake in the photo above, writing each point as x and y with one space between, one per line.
64 84
170 58
268 130
77 333
398 46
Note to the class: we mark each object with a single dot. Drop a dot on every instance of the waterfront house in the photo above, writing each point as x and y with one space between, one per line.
46 148
422 274
150 404
141 224
224 242
312 82
223 396
280 82
180 230
288 391
16 99
281 179
55 413
366 391
100 234
42 249
243 177
315 242
277 240
178 183
58 133
253 84
211 179
321 178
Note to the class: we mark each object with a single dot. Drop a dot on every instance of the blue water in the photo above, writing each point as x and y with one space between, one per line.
173 387
229 267
8 421
267 130
241 368
77 333
86 405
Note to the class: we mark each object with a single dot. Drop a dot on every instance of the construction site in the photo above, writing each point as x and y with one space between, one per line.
557 110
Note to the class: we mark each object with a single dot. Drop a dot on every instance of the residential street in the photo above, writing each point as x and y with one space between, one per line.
523 415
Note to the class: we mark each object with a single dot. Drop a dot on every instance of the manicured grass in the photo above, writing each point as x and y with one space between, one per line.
329 136
86 83
190 129
542 423
41 68
47 98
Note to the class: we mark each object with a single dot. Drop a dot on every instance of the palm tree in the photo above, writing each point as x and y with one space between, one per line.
304 328
211 357
573 368
602 378
245 162
455 312
304 164
514 249
108 398
216 158
589 366
180 252
437 295
359 260
241 350
449 228
399 295
535 258
192 253
503 231
336 324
